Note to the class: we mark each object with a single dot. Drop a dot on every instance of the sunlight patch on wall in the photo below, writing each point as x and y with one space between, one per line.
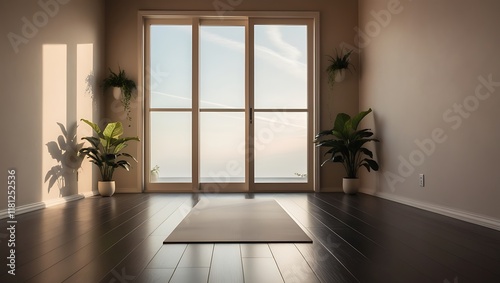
54 93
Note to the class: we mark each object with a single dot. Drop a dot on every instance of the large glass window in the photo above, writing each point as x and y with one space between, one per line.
280 79
280 66
171 66
222 67
170 94
229 101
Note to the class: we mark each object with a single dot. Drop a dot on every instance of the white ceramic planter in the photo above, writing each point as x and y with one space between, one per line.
339 76
350 185
153 177
117 93
106 188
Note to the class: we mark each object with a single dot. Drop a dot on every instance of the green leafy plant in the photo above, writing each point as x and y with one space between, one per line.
345 144
156 169
105 149
337 63
126 85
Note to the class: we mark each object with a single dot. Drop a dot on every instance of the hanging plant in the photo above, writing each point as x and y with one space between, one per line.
338 63
126 85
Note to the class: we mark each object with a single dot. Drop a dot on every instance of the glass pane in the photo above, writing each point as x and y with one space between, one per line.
171 70
171 146
280 147
222 67
222 147
280 66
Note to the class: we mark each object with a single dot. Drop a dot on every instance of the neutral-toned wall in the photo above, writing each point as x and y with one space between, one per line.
337 19
48 47
431 72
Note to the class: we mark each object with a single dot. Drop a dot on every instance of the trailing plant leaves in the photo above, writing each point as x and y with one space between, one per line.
337 63
121 81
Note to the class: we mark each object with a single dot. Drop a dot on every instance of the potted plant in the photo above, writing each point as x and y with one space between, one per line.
337 67
345 145
105 152
123 88
155 173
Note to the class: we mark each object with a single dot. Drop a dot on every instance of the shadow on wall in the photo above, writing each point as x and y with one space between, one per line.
65 152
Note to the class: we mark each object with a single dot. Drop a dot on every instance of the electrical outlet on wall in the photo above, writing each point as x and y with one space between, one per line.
421 180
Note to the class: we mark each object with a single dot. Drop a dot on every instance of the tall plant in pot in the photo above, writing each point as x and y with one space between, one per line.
105 151
346 145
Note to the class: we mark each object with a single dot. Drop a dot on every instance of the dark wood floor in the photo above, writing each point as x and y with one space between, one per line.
356 239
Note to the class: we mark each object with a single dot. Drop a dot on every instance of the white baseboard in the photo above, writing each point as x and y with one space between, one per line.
447 211
44 204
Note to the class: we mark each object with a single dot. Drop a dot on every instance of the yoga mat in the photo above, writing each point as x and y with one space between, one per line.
237 221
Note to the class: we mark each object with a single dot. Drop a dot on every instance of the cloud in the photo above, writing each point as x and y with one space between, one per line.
222 41
276 37
281 54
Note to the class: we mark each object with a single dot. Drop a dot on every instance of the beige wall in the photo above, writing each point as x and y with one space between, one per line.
337 19
48 50
424 68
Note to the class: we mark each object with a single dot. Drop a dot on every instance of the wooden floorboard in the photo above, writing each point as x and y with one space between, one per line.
261 270
112 246
356 238
392 241
226 266
356 251
81 228
292 265
379 249
431 242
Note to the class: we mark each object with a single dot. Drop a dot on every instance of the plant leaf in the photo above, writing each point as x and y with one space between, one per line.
340 122
128 155
93 141
113 130
371 163
357 119
95 127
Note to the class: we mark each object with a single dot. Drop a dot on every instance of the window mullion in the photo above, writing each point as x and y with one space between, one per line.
249 80
195 104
